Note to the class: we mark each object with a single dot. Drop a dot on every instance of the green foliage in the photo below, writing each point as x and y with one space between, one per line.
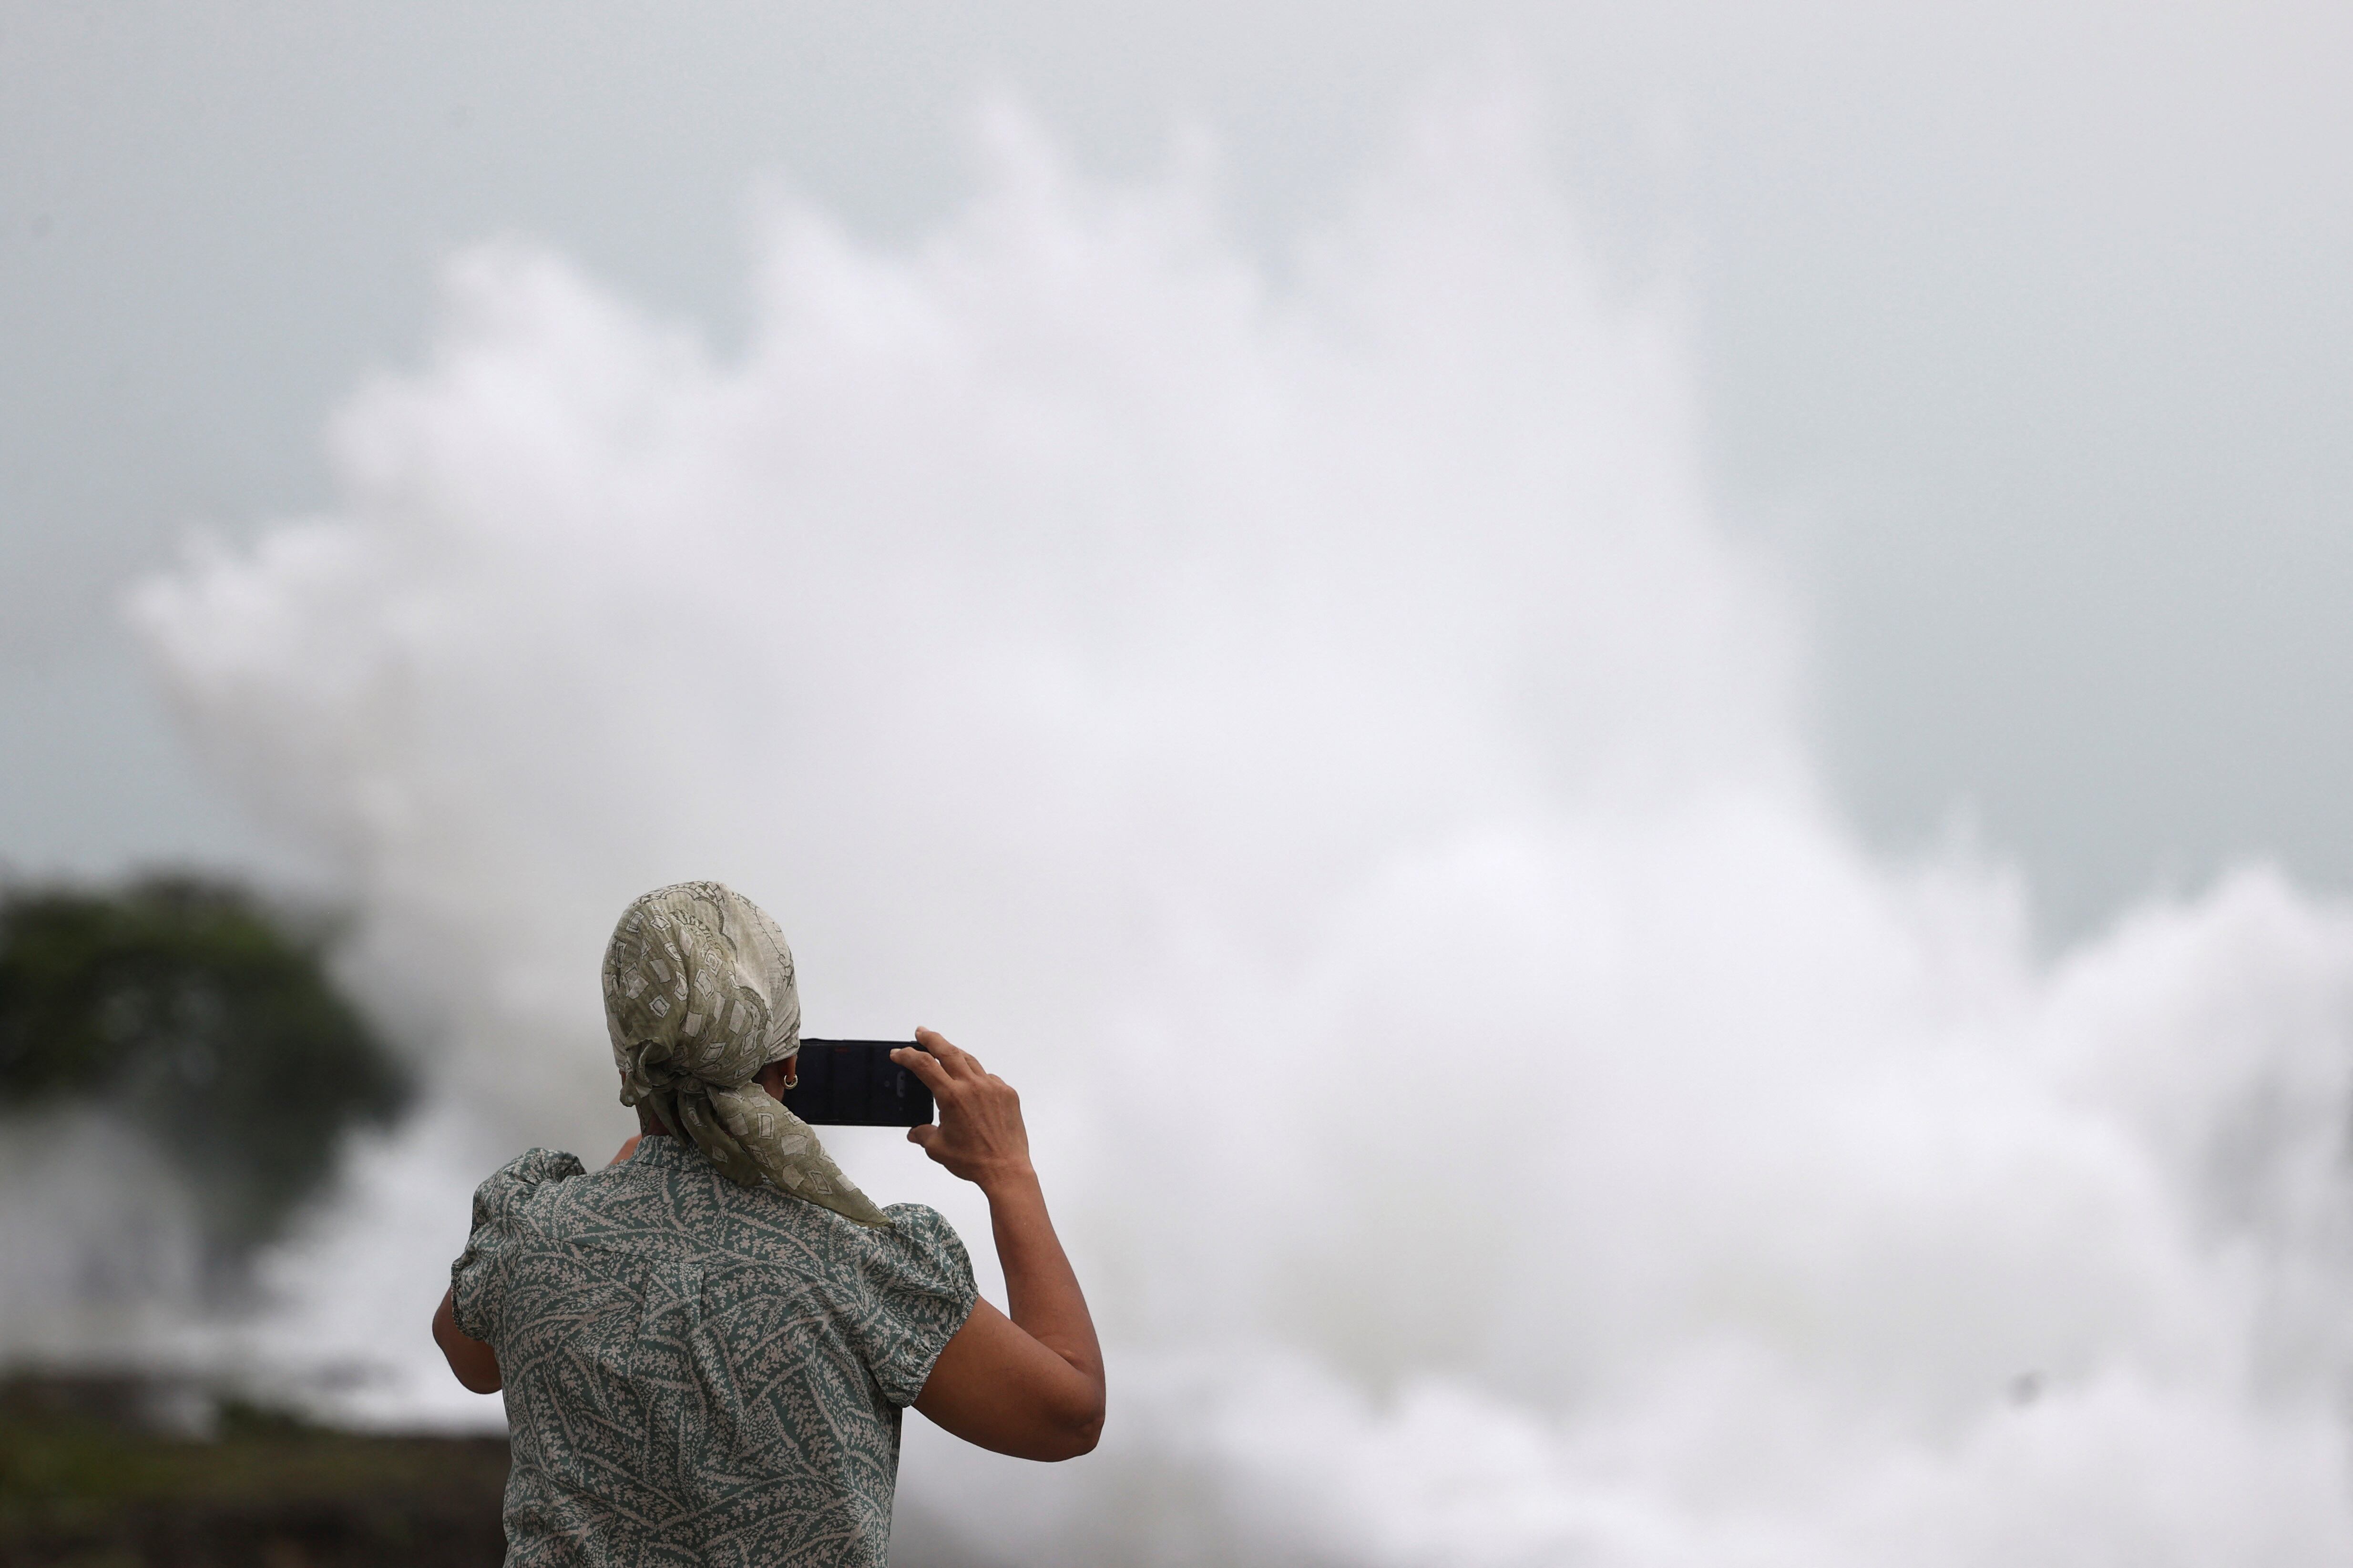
184 1005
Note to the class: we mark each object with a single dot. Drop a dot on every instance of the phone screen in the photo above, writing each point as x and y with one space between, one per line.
854 1083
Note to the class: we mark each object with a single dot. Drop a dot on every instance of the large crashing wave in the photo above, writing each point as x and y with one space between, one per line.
1314 737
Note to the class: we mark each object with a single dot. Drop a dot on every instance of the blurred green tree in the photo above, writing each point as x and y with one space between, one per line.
186 1007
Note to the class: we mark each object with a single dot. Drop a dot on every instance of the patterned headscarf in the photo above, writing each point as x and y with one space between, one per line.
699 997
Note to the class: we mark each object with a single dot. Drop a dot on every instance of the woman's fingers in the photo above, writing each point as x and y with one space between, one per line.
956 1080
961 1062
927 1067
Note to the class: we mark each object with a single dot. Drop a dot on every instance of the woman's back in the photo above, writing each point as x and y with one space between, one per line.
698 1371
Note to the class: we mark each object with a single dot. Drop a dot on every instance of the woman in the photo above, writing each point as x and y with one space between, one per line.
706 1345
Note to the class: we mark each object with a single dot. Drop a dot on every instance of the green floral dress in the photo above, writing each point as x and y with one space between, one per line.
698 1372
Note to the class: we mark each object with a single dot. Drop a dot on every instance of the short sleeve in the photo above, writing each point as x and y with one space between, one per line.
478 1280
916 1292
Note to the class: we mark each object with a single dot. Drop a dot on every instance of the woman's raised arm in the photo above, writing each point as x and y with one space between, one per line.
1031 1383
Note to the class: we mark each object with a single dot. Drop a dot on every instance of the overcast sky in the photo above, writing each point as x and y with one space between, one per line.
2023 328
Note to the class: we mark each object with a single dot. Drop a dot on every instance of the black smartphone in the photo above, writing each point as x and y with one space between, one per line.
854 1083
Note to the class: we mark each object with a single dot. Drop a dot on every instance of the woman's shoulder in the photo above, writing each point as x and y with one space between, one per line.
919 1242
916 1290
521 1177
508 1222
918 1224
534 1166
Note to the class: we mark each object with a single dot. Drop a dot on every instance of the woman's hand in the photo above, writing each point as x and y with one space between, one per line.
980 1136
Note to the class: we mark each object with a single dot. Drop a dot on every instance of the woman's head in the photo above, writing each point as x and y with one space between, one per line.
698 984
699 998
